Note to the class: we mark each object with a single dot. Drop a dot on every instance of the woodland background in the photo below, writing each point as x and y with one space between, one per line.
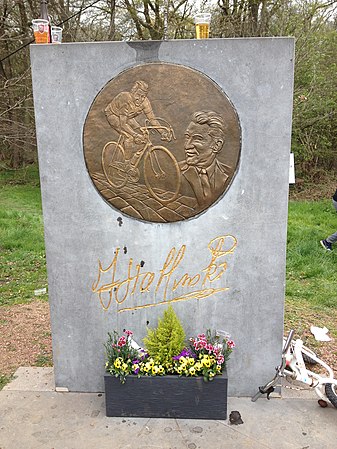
312 22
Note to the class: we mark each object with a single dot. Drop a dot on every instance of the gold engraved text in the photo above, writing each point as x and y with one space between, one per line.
160 287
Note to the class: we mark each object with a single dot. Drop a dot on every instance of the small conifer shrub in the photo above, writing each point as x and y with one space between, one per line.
167 340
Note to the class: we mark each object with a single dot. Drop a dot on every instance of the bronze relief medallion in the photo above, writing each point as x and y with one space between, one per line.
161 142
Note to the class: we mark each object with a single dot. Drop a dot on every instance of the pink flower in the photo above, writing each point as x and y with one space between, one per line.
209 347
220 360
202 337
230 344
200 345
128 333
122 341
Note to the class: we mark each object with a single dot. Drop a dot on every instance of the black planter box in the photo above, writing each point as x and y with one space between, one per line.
167 397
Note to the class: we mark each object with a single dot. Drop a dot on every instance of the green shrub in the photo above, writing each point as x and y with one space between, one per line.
167 340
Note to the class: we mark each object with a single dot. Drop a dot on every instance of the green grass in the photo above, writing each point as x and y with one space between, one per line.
22 252
44 360
311 270
28 175
4 380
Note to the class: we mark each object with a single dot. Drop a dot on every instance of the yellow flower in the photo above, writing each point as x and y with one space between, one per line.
155 370
161 370
124 366
182 360
179 370
191 361
192 371
206 363
198 366
118 363
218 368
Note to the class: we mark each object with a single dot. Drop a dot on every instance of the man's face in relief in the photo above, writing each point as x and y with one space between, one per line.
138 97
199 145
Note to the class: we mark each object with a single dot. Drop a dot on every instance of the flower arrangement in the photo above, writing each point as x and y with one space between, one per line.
205 355
120 354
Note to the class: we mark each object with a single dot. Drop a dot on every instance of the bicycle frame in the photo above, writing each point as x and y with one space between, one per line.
136 158
293 366
301 373
157 158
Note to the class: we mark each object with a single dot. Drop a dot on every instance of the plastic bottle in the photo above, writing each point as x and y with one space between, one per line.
44 15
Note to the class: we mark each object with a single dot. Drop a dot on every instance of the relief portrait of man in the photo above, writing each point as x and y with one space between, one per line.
204 139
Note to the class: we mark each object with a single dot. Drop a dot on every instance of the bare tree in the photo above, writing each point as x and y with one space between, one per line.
310 21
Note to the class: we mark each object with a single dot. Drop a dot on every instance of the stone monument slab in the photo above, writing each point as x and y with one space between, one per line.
164 173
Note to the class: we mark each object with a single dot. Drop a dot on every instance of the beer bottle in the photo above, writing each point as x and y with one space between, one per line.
44 15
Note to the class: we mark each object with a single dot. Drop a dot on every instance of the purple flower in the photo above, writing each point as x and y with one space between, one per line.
184 353
144 356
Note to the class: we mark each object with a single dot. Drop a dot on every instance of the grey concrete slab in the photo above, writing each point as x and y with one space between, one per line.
32 378
49 420
81 229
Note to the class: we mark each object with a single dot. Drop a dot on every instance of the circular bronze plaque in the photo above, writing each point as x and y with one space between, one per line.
161 142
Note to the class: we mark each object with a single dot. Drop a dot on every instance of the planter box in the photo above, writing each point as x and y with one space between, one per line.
166 397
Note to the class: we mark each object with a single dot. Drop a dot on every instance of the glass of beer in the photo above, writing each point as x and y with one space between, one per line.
56 35
202 22
41 31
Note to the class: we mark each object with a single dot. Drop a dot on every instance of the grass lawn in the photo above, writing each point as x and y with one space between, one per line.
311 279
22 254
311 270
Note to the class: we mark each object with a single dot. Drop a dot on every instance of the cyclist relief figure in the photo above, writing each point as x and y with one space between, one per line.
122 111
122 159
161 142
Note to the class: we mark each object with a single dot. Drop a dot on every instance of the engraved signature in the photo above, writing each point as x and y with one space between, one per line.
165 282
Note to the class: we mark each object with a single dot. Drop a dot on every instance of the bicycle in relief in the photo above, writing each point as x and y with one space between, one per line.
121 159
159 164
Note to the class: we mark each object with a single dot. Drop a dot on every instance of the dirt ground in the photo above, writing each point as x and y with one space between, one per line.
301 320
25 336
